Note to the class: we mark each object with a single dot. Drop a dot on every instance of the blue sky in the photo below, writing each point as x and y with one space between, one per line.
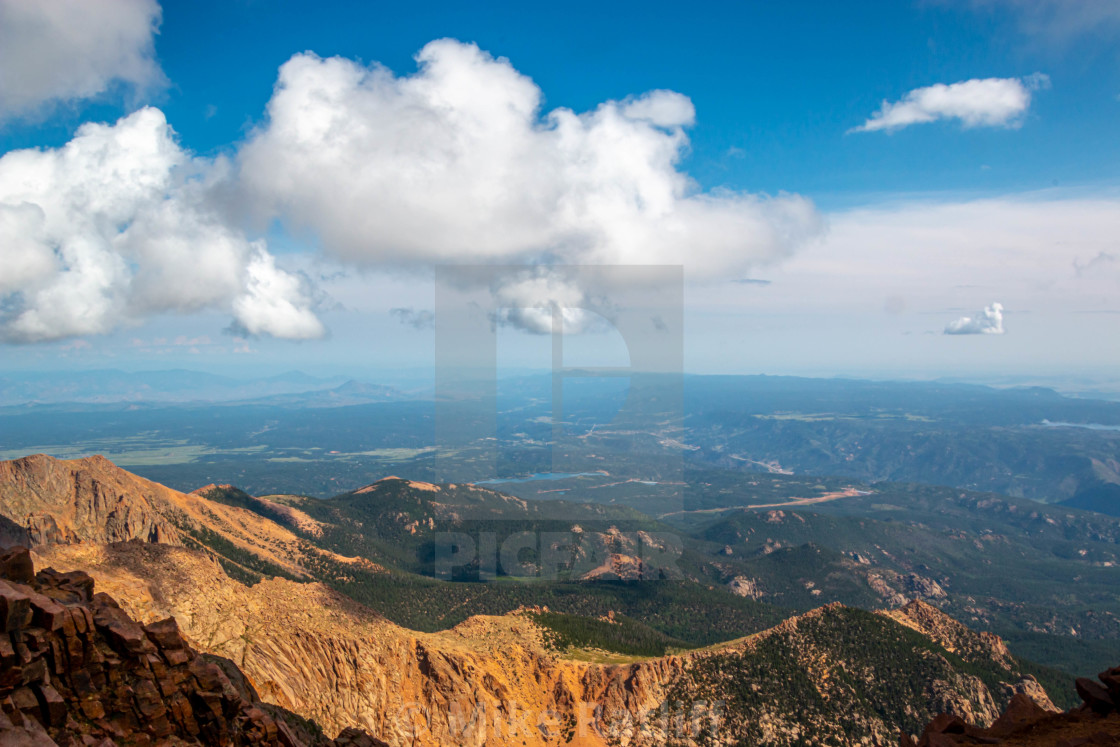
1008 196
776 85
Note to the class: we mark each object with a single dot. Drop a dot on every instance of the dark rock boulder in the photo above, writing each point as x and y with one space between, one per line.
75 669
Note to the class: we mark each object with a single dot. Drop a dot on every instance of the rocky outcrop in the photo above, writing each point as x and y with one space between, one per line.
953 635
76 669
614 555
1028 686
922 587
84 500
745 587
898 588
1025 724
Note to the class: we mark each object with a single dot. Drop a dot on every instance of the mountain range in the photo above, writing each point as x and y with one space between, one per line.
184 387
304 597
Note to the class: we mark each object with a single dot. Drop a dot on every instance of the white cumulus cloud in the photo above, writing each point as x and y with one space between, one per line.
989 321
120 224
60 50
275 302
986 102
456 163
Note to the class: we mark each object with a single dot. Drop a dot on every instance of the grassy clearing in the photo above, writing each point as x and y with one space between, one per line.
599 656
130 452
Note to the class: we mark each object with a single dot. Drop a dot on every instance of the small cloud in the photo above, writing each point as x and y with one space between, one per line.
1037 82
987 102
210 111
661 108
417 319
751 281
986 322
241 347
1097 263
184 341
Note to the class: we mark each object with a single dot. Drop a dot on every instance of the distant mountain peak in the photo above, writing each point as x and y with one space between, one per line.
390 480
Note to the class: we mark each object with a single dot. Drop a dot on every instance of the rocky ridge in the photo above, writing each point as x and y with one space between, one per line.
839 675
91 500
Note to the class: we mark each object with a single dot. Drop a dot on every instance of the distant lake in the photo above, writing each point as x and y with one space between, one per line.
1089 426
540 476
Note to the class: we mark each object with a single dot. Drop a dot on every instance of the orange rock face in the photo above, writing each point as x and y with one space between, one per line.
87 500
